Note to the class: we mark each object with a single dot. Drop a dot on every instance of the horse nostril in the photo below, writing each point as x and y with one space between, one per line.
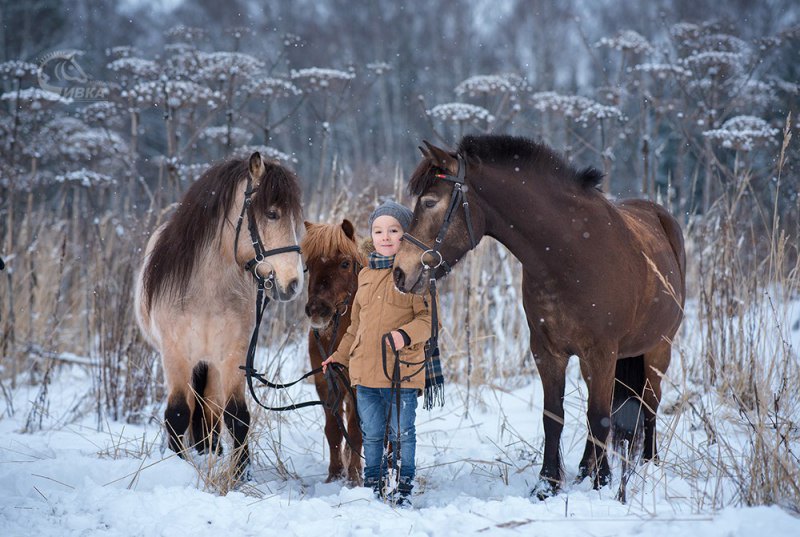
399 278
291 289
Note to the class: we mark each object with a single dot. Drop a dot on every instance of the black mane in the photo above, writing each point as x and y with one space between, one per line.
505 150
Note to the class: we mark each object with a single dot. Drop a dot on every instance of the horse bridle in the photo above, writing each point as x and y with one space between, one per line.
459 196
340 310
261 254
334 376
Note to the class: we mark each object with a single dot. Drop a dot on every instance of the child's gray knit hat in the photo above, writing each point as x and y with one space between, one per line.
402 213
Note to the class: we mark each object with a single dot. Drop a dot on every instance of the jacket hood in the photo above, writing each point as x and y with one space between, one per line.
366 247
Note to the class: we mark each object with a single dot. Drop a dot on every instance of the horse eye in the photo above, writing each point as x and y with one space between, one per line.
429 204
273 215
345 264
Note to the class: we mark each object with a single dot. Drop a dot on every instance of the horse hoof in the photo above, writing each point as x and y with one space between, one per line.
544 489
334 475
583 473
354 481
244 476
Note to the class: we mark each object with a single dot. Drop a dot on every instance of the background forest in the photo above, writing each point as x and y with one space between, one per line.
690 103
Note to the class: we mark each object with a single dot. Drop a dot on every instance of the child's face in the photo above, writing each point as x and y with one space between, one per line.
386 234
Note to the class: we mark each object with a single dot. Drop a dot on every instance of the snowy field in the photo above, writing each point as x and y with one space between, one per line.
475 469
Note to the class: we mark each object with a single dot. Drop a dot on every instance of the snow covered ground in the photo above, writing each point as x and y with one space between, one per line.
475 470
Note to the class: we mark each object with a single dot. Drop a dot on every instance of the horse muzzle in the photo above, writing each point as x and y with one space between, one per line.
286 293
319 313
410 283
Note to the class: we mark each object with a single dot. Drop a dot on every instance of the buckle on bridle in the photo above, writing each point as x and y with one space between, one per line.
425 266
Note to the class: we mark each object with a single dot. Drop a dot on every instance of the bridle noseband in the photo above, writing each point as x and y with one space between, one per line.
459 196
261 254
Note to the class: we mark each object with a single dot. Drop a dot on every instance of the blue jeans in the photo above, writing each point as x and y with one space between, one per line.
374 405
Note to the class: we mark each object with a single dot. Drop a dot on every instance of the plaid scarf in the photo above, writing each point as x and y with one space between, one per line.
378 261
434 380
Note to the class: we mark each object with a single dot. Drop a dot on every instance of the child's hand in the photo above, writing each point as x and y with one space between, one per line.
325 364
399 342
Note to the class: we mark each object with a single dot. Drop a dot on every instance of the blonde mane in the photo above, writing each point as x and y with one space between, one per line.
329 240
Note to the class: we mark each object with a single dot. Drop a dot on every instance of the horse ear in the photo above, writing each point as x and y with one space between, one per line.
256 168
307 224
424 151
349 229
441 158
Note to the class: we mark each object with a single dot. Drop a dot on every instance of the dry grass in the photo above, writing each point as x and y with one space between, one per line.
730 419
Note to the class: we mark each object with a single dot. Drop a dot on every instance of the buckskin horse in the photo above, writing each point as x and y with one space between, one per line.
196 291
601 280
333 260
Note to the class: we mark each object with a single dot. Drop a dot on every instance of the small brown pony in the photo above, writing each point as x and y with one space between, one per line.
333 260
195 301
601 280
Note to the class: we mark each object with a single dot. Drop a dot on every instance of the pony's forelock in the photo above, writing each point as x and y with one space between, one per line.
328 240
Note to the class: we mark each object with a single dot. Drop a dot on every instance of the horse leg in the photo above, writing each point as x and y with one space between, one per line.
332 433
598 368
237 420
176 420
552 370
180 406
354 449
656 362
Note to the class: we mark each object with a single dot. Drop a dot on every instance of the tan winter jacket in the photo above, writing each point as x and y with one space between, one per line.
379 308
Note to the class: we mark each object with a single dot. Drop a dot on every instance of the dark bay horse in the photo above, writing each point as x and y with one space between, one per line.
195 299
604 281
333 259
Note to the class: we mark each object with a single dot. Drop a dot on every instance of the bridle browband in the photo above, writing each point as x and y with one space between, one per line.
459 196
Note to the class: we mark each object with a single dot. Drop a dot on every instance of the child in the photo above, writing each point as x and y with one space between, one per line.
378 308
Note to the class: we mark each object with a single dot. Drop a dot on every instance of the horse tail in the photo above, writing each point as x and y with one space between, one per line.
199 380
675 237
626 405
